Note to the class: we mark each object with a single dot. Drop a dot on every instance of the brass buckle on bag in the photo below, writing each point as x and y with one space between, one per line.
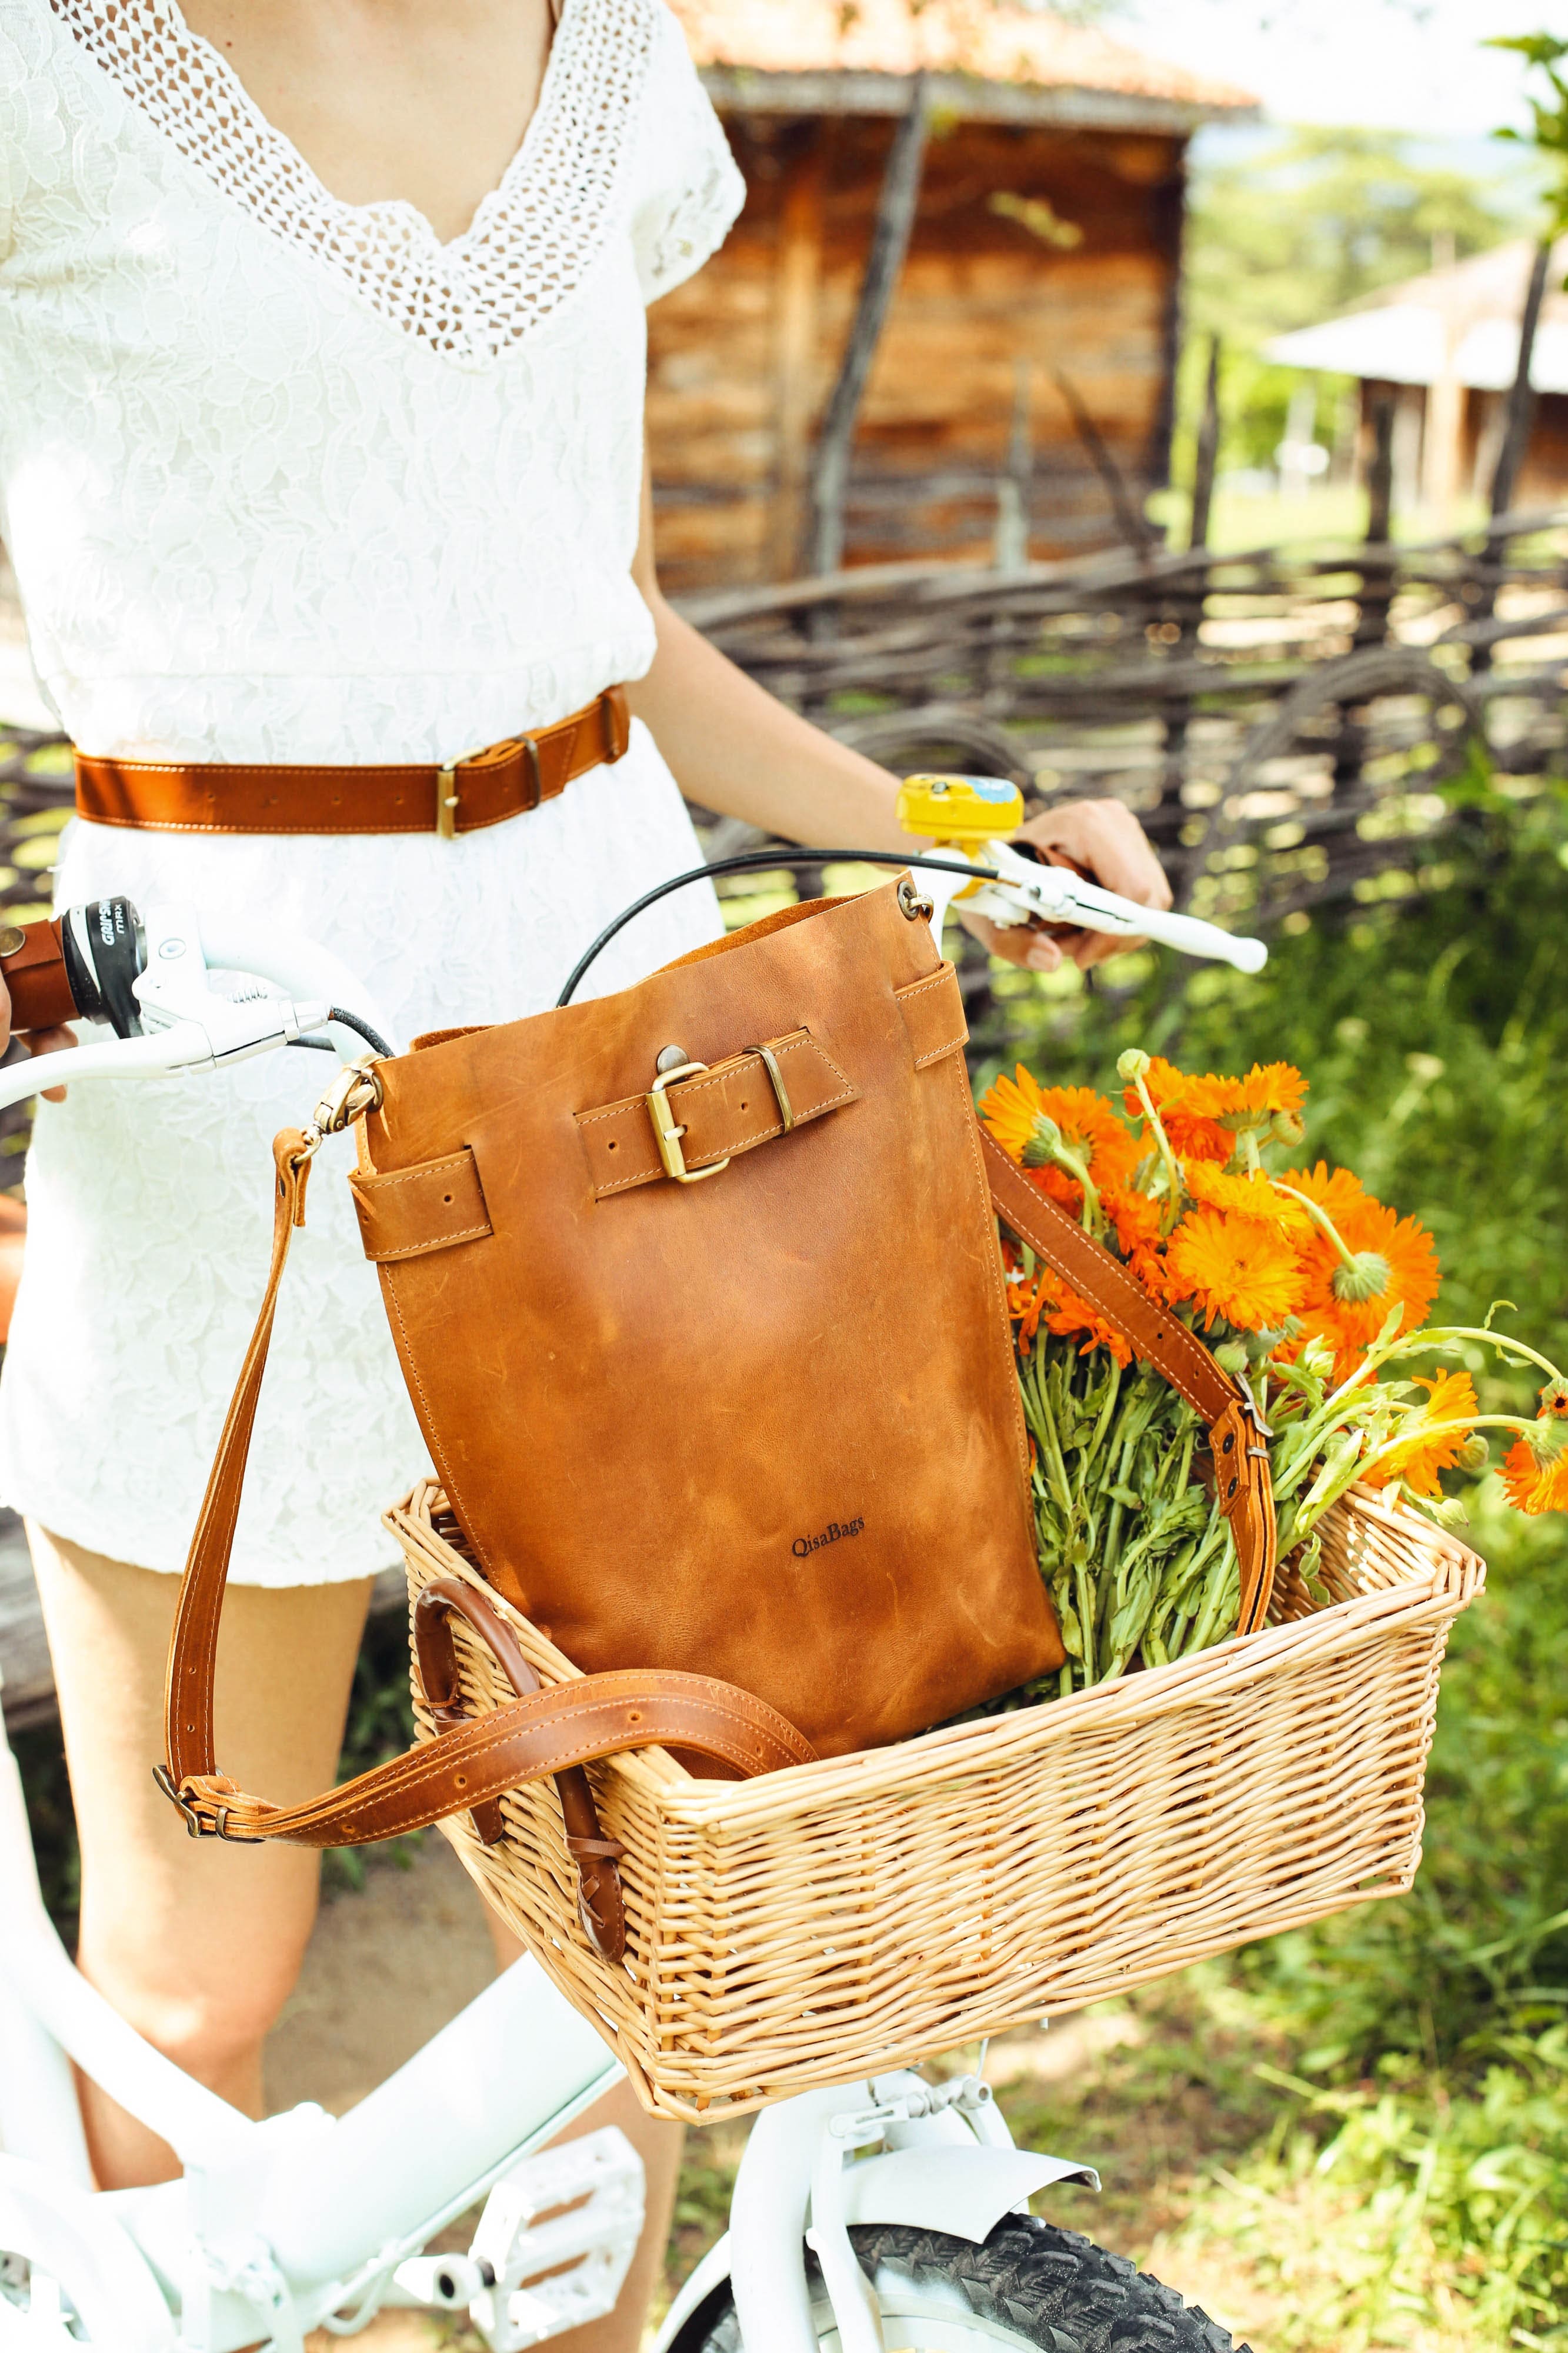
667 1130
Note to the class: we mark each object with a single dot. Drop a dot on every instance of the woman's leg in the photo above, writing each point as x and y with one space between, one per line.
196 1943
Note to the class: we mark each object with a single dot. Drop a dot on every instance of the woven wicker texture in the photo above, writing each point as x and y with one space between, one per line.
845 1917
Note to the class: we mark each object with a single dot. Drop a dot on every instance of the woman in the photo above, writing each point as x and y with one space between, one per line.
321 443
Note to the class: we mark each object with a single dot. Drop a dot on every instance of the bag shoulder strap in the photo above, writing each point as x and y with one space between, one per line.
546 1732
1236 1435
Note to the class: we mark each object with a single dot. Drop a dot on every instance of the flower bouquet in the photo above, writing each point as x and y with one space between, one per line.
1309 1291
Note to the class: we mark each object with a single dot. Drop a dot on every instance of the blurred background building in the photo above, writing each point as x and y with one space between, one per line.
1445 345
1048 243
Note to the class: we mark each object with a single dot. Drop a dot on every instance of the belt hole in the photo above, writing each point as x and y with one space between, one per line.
460 1780
634 1715
1233 1487
610 1146
447 1199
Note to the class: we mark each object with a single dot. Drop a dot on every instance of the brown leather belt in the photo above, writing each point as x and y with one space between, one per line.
486 789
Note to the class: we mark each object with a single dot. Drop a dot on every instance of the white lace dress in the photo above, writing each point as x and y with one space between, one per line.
287 479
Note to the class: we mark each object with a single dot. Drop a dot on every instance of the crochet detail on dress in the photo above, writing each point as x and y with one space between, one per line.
531 242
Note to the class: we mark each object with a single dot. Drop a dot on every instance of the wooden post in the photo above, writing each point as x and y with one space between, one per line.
1520 416
1521 398
1131 519
889 243
1380 474
1010 540
799 281
1207 455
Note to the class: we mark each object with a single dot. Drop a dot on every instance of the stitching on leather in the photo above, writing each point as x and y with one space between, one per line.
938 979
994 1275
413 1176
639 1176
1114 1279
426 1425
935 1053
437 1241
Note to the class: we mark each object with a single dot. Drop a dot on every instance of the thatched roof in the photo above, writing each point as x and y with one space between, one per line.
995 58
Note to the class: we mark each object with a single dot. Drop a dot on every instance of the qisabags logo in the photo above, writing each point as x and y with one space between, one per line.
803 1546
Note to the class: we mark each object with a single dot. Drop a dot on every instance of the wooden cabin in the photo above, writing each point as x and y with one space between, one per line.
1445 347
1047 242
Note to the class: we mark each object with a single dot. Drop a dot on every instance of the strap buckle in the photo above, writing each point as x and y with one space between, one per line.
199 1824
667 1130
446 798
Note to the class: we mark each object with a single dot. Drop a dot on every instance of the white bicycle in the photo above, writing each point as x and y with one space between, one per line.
868 2218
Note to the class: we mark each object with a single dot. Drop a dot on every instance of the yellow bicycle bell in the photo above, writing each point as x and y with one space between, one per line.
960 813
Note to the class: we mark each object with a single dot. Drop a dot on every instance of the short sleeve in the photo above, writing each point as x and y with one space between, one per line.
688 189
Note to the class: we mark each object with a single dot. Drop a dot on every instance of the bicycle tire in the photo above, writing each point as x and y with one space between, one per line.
1029 2284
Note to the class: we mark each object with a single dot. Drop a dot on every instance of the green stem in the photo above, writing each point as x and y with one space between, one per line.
1163 1143
1319 1216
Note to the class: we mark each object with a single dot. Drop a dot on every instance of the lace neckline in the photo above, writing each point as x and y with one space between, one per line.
533 237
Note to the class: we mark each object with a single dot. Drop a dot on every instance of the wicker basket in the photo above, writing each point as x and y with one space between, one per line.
849 1916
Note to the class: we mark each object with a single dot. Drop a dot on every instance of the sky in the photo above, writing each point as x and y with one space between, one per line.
1412 65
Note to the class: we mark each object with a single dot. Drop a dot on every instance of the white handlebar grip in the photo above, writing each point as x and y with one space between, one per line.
1196 938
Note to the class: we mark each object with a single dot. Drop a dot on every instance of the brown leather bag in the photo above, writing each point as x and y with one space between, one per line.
697 1294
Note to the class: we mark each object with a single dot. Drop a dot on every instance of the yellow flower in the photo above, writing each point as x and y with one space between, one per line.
1450 1398
1245 1270
1244 1196
1021 1115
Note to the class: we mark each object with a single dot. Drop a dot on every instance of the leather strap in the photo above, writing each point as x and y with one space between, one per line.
485 788
731 1108
599 1904
1236 1437
33 967
471 1762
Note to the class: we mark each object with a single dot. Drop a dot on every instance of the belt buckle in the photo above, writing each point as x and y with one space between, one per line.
667 1130
447 802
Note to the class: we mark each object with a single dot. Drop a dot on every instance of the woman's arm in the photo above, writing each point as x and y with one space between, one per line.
734 748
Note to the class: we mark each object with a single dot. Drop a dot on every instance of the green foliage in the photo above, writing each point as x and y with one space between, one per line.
1424 2135
1288 238
1548 117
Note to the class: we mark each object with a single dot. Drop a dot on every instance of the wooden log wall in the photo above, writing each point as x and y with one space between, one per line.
988 311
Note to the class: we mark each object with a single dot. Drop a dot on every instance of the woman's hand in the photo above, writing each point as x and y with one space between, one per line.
36 1042
1106 839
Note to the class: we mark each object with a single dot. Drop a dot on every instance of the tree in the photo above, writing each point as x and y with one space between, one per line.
1307 229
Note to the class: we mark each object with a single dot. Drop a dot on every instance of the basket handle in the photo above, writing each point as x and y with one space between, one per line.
474 1760
1236 1433
599 1904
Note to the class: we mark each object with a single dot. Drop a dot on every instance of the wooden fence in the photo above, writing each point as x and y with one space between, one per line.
1285 722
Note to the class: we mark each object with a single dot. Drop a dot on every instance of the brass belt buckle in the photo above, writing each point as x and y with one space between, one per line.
667 1130
447 803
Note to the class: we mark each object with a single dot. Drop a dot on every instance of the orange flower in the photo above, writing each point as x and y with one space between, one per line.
1057 1305
1535 1486
1243 1270
1244 1196
1189 1110
1268 1088
1136 1221
1450 1398
1395 1255
1013 1110
1334 1189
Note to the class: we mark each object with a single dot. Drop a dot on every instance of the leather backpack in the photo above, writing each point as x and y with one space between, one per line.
698 1293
